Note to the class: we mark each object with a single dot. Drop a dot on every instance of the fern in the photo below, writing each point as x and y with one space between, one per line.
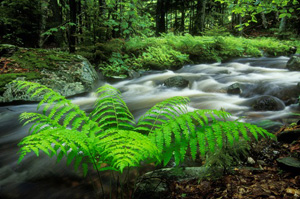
62 129
110 135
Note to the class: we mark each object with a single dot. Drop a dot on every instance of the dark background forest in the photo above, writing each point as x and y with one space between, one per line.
77 24
117 36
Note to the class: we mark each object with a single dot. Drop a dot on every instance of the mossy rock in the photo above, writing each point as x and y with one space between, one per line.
7 78
66 73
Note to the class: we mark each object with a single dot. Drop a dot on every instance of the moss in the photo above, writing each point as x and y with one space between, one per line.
6 78
39 58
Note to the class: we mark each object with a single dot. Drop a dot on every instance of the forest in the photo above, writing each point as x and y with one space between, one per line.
118 36
149 99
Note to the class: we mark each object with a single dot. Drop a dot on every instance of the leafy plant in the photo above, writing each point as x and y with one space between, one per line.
110 134
109 138
161 57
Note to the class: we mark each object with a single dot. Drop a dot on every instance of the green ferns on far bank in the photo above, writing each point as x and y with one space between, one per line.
171 52
111 135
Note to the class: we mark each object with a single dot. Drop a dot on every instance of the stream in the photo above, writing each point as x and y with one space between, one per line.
41 177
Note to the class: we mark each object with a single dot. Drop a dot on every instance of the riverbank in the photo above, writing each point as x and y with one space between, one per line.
119 57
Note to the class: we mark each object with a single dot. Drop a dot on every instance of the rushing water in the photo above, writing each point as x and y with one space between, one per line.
43 178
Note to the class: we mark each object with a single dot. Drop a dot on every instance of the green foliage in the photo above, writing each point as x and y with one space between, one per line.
216 30
63 27
118 64
228 156
170 51
62 129
110 135
19 22
162 57
247 7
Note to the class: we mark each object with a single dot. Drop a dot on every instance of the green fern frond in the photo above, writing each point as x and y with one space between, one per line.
59 105
124 148
169 109
111 111
202 129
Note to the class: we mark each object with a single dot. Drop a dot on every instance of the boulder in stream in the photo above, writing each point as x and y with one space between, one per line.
177 81
294 63
63 72
267 103
234 89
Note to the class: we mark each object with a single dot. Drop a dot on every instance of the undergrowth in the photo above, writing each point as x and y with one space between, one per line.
171 52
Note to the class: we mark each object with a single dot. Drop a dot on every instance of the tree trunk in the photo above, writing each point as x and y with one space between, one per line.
182 27
102 4
202 18
72 37
80 22
264 20
282 25
43 21
199 24
160 17
240 23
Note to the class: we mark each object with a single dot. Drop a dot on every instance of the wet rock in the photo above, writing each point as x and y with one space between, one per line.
154 184
133 74
294 63
289 164
234 89
288 136
177 81
7 50
289 95
267 103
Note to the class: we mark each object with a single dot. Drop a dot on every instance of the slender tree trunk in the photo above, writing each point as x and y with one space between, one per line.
102 5
282 25
80 22
43 21
264 20
176 22
240 23
192 14
203 15
160 17
199 24
114 17
182 16
73 13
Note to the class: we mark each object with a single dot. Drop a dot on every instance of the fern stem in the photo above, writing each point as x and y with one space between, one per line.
98 173
110 185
